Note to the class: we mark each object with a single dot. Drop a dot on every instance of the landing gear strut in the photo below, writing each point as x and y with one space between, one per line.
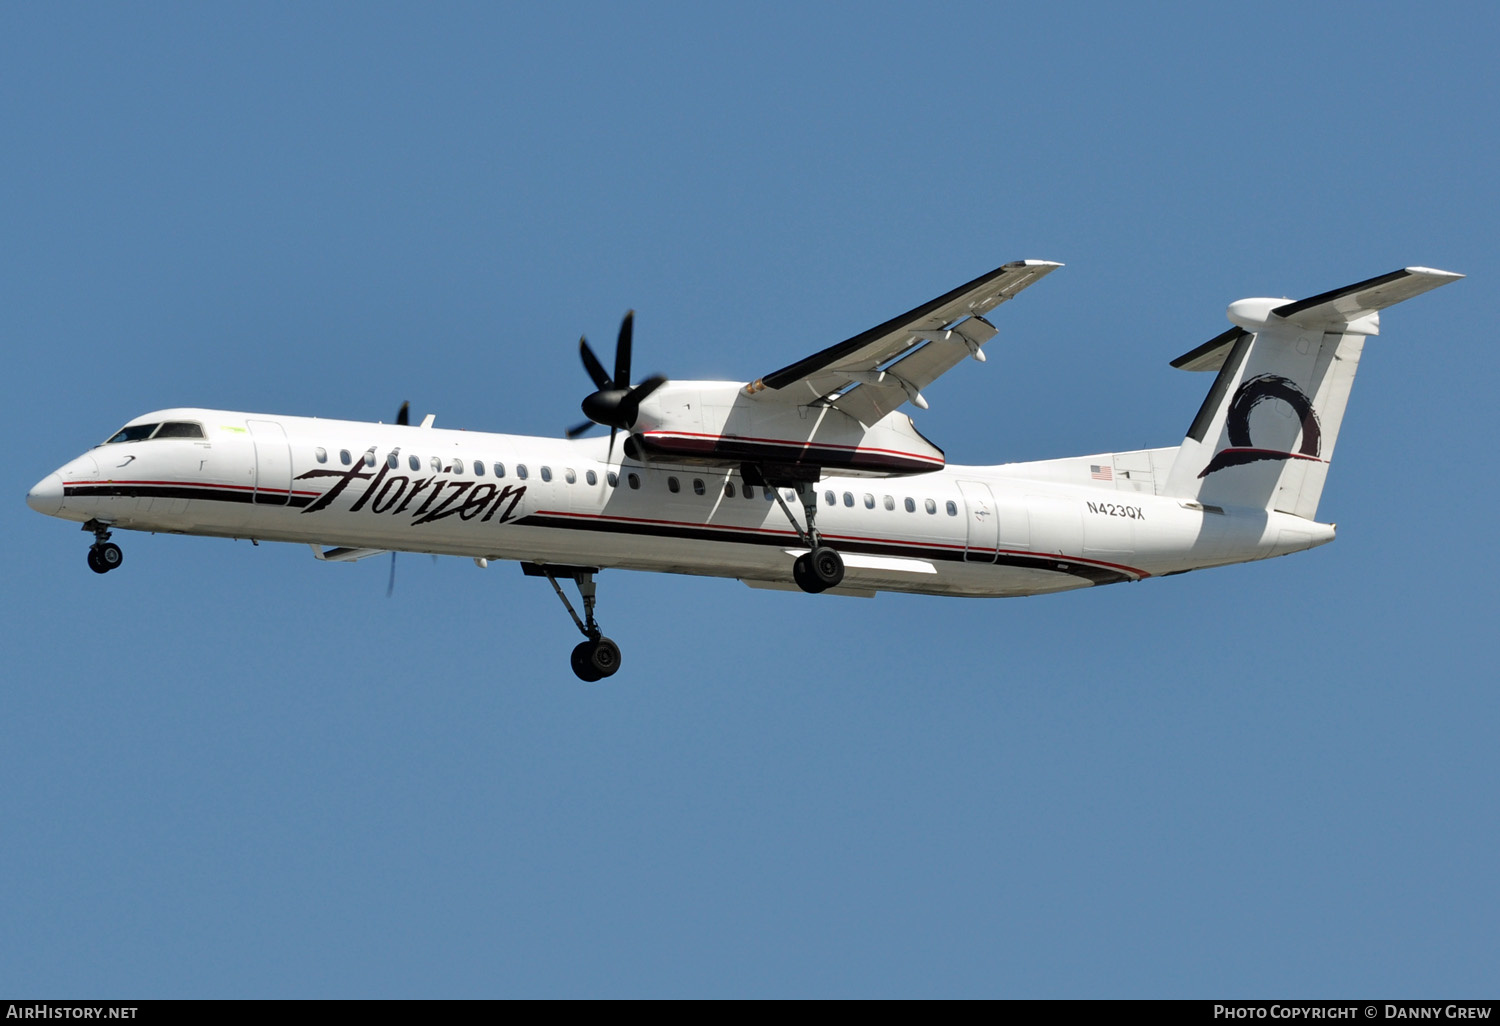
821 567
104 555
597 657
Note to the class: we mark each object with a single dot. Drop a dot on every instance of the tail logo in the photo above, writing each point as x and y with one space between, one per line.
1250 395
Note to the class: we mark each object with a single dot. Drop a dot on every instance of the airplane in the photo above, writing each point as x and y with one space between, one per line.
810 477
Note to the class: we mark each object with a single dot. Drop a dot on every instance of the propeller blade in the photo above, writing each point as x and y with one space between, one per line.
622 350
640 450
630 405
608 459
578 429
390 587
593 366
403 415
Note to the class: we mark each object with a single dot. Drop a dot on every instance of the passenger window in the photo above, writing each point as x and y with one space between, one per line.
952 508
370 459
414 462
479 468
393 461
499 469
749 491
729 489
320 454
890 503
546 473
344 457
179 429
437 465
569 476
634 479
458 466
591 477
911 506
698 488
521 471
869 501
849 499
673 486
828 497
931 506
612 478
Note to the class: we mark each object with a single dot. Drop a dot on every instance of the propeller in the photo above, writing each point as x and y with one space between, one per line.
616 404
403 418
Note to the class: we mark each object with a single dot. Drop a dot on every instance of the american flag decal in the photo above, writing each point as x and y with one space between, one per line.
1104 473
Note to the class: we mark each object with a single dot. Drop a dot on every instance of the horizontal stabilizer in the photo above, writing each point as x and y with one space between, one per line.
1332 310
1210 356
1353 308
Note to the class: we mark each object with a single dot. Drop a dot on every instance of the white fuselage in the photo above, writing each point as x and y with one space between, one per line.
1015 529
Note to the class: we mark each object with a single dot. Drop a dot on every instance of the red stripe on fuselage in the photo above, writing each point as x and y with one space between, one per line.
792 444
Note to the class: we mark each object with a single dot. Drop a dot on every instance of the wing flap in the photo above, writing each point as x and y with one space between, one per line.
344 553
904 379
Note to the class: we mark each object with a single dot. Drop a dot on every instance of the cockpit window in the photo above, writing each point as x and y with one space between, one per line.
133 433
179 429
171 429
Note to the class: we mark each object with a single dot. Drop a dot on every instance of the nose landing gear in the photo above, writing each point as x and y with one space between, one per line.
597 657
594 660
104 555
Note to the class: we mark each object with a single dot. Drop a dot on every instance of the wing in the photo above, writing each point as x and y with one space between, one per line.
890 362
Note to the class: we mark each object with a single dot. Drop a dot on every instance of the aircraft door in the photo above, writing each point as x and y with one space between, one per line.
273 463
982 522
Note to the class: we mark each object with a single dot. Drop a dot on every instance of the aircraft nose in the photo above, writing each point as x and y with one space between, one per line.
46 496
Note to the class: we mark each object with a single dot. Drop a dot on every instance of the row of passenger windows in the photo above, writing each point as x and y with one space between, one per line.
480 468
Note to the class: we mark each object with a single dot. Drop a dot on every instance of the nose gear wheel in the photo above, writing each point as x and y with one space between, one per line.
104 555
597 657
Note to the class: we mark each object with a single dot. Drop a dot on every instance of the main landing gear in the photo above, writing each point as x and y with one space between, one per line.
596 657
821 567
104 555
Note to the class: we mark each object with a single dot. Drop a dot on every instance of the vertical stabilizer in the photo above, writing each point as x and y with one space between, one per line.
1266 433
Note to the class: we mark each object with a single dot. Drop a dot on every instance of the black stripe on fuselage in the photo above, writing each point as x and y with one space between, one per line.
124 491
1093 573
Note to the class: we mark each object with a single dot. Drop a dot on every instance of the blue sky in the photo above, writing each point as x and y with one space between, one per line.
233 771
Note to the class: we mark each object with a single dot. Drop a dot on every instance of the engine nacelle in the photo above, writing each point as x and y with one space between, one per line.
715 422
